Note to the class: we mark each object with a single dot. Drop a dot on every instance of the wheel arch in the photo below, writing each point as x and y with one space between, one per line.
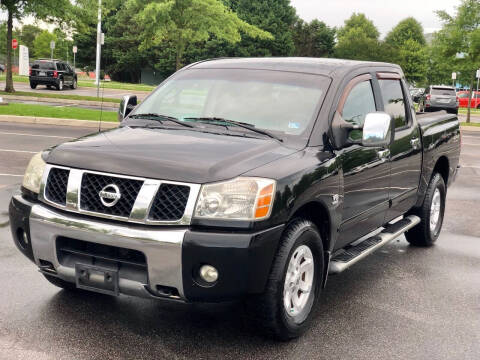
442 167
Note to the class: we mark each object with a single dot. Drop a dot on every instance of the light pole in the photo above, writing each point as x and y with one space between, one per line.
99 34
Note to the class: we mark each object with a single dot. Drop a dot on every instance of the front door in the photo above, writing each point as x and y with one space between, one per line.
406 149
366 170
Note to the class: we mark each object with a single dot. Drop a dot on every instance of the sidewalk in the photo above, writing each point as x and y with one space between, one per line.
57 121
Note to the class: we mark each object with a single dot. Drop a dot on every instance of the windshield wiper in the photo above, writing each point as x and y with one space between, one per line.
160 118
218 121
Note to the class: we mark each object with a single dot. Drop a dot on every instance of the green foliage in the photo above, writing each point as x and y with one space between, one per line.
405 30
361 23
41 44
27 35
185 22
313 39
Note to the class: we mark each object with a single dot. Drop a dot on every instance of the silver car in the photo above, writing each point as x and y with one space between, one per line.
437 98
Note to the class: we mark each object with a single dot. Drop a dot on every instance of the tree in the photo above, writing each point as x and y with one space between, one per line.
460 34
28 33
48 10
408 46
185 22
405 30
41 44
358 40
313 39
359 21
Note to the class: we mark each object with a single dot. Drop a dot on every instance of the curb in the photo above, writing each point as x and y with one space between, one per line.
104 104
57 121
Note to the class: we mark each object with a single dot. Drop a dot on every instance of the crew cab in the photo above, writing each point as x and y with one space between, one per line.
250 179
52 73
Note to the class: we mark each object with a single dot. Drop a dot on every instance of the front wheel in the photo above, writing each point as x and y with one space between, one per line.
431 214
285 309
74 84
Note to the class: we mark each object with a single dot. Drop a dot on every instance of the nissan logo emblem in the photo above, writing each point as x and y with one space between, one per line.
110 195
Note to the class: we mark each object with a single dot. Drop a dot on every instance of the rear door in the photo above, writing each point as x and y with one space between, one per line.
406 149
366 170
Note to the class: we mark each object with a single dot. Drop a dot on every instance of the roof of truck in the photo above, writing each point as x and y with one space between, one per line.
319 66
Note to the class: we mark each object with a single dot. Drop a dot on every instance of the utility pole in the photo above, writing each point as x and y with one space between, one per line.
99 35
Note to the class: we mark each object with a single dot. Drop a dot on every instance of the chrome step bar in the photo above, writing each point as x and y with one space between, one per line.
348 256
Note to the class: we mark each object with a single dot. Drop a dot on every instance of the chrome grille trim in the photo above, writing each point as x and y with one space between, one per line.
141 207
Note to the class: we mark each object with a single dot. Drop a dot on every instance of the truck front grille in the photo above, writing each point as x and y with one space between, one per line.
170 202
92 184
56 188
135 199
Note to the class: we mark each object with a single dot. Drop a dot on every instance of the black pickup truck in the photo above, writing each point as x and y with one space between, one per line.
250 179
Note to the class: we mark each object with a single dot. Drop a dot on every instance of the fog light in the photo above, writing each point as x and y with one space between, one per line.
208 273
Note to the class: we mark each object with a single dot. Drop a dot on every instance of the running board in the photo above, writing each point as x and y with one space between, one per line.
349 255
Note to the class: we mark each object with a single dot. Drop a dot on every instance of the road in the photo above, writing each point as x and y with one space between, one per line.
84 91
399 303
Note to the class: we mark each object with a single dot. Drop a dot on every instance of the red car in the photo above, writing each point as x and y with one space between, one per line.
463 99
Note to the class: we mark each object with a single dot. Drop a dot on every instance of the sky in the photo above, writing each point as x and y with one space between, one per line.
384 14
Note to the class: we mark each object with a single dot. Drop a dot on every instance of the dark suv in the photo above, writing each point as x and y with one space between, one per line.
55 73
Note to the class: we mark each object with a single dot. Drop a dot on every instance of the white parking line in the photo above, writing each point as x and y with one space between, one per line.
23 134
19 151
11 175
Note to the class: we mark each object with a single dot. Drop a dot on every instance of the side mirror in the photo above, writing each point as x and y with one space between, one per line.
127 104
377 130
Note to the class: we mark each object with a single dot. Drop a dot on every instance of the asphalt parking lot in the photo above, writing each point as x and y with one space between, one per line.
399 303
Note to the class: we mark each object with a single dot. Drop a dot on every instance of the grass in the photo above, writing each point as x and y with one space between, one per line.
472 111
60 96
90 83
470 124
57 112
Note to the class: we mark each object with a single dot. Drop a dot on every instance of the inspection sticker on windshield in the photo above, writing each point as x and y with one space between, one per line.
293 125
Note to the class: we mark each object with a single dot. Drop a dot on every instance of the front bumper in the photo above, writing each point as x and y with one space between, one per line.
173 254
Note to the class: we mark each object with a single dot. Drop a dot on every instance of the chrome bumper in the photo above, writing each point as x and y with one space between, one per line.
162 248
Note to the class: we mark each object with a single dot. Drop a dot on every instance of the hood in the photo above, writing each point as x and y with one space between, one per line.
176 155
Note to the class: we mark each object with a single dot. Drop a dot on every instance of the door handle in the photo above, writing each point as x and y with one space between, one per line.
383 154
415 143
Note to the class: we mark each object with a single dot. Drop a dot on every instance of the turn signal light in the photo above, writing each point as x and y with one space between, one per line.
264 202
30 71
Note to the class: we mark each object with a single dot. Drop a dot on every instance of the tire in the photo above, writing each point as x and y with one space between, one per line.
33 85
269 310
428 230
74 84
59 86
60 283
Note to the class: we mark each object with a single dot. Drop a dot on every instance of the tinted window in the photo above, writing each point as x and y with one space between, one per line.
440 91
61 67
463 95
393 101
359 103
43 65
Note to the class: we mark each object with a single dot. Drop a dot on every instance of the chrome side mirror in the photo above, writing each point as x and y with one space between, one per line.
127 104
377 130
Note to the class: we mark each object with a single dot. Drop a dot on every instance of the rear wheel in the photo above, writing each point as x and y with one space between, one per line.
33 85
285 309
60 85
60 283
431 214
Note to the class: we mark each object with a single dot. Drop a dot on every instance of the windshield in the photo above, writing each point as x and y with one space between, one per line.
281 102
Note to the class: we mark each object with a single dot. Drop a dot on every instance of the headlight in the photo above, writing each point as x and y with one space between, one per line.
33 174
238 199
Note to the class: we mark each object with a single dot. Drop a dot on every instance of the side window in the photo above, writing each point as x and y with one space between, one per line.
359 103
61 66
393 101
